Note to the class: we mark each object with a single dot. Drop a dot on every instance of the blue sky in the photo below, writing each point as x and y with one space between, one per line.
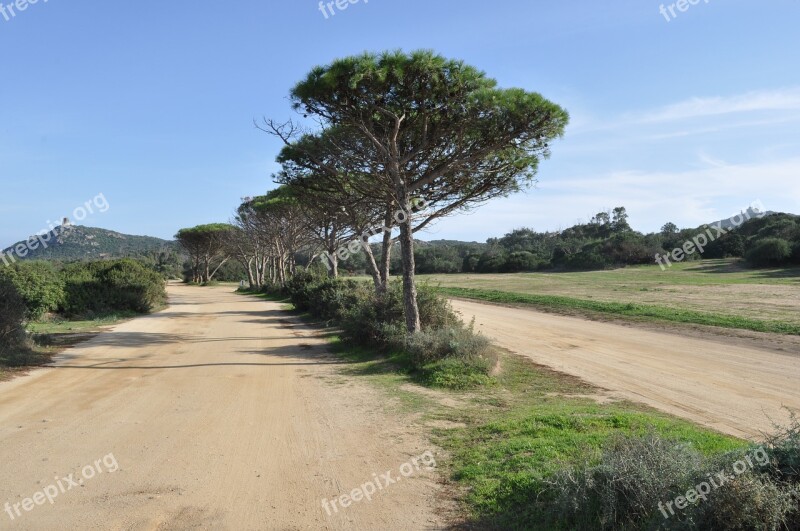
151 104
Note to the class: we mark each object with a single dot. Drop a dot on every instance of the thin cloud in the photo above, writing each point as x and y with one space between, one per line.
775 100
683 112
713 190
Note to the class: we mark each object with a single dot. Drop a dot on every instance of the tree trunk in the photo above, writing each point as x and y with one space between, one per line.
372 265
281 267
196 270
386 246
333 263
409 285
261 267
211 276
386 261
251 279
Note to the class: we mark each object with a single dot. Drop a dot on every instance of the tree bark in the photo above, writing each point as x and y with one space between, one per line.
211 276
372 265
333 263
251 279
386 250
409 283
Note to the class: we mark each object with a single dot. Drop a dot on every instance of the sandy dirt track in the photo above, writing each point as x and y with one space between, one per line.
221 413
725 386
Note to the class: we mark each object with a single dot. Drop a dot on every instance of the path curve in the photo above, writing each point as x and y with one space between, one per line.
733 389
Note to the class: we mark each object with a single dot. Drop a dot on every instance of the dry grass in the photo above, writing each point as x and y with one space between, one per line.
713 286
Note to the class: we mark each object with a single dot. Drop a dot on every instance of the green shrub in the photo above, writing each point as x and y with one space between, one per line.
39 285
298 290
434 310
783 449
379 320
769 252
275 290
13 339
331 298
133 287
586 260
115 286
375 320
625 488
491 261
81 288
635 478
452 342
747 502
521 261
445 353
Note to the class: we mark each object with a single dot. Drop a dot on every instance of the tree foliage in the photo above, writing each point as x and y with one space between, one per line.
207 247
399 127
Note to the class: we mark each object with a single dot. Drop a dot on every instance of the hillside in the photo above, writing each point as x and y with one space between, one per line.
749 214
76 242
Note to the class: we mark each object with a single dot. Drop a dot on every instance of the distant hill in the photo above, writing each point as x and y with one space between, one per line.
750 214
449 242
75 242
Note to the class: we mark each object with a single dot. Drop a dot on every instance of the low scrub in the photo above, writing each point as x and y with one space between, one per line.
453 341
445 354
39 292
624 489
39 284
13 339
98 288
331 299
770 252
650 482
748 502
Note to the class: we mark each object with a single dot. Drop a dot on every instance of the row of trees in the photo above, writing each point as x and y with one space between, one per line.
270 257
606 241
400 140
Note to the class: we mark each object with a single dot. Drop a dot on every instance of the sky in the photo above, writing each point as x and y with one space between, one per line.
150 105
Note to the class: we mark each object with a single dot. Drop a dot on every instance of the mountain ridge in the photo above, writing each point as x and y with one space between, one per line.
76 242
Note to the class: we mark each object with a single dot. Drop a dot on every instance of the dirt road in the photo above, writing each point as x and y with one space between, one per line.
219 413
728 387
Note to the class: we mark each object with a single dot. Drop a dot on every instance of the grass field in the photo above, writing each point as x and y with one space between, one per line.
712 292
